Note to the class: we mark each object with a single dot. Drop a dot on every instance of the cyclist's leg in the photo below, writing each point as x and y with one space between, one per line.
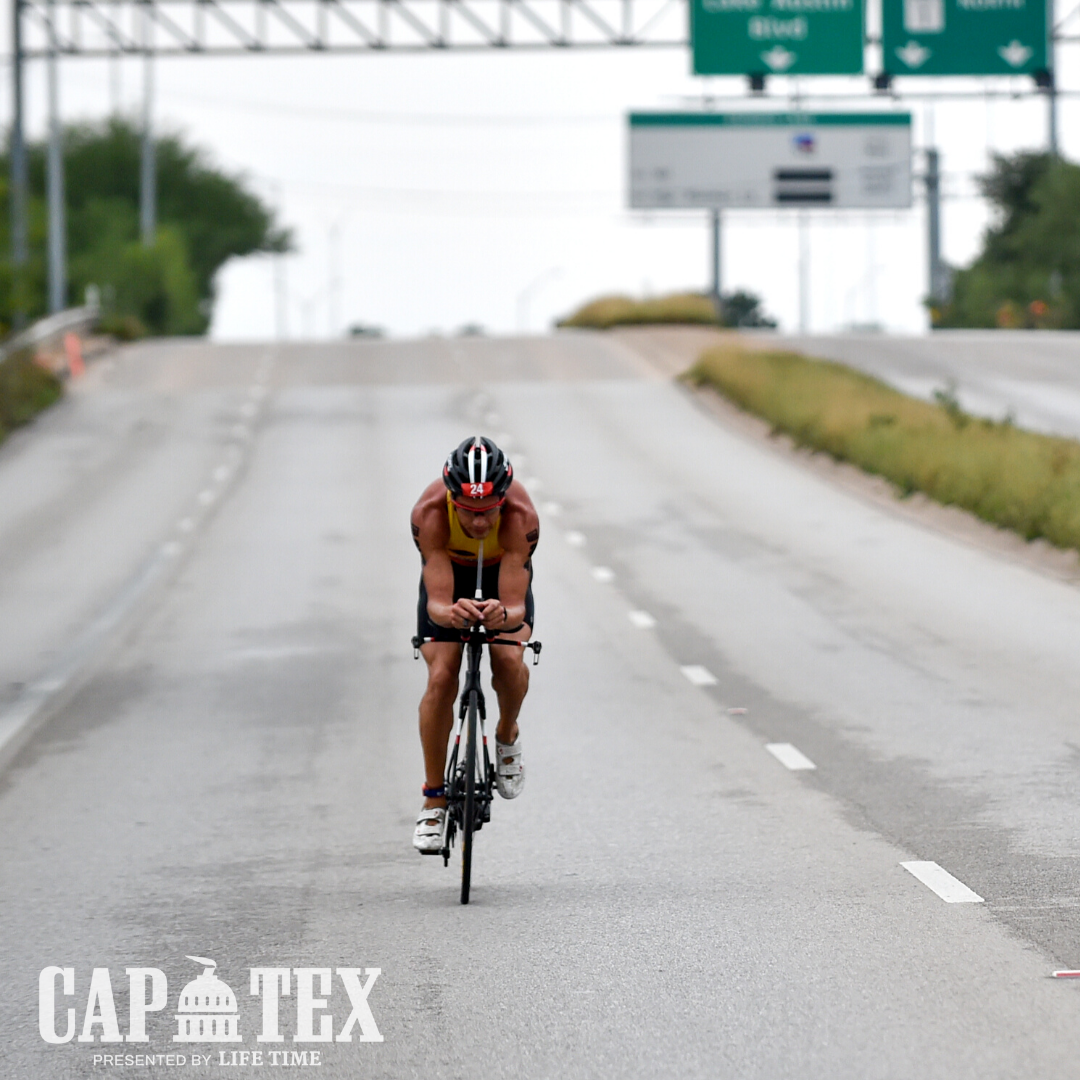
510 674
437 710
510 681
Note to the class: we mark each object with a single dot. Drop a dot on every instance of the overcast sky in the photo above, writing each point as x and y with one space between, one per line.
445 189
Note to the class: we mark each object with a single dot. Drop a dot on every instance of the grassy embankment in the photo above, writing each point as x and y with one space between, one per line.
611 311
1012 478
25 389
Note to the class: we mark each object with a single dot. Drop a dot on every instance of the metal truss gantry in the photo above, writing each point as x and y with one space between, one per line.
242 27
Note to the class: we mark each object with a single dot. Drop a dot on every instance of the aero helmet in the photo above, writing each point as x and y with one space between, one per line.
477 468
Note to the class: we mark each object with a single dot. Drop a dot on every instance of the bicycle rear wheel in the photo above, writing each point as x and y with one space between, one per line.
469 824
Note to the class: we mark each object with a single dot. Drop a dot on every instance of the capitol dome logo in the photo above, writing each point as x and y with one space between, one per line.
206 1011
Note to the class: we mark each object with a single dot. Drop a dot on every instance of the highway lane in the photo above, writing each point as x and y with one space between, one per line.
237 777
1034 376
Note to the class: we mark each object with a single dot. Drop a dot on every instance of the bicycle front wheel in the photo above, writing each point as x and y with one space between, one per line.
469 824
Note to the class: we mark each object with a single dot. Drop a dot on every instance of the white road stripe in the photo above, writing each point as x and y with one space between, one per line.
699 675
788 756
642 620
603 573
942 882
575 539
552 509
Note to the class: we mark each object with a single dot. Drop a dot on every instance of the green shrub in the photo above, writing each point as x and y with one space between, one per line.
25 389
610 311
1017 479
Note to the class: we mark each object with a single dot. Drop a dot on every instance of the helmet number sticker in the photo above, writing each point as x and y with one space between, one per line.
476 491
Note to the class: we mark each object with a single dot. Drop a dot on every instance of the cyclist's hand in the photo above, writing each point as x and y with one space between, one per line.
465 613
494 614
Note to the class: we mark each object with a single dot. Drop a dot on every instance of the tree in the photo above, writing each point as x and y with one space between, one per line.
1028 274
206 217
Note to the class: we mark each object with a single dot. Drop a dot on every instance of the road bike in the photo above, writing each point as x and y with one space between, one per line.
470 773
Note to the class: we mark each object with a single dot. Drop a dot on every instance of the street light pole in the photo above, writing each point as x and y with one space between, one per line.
148 174
19 252
57 223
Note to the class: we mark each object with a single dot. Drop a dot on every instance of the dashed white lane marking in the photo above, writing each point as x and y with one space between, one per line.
535 483
552 509
206 497
641 619
698 675
186 525
575 539
951 890
248 409
171 549
603 573
788 756
221 473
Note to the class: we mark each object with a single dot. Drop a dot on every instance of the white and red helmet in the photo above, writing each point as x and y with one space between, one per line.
476 469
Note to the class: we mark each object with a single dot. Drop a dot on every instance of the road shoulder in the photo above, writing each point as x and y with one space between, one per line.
671 350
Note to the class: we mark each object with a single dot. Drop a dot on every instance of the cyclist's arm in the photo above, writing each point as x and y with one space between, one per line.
515 571
431 533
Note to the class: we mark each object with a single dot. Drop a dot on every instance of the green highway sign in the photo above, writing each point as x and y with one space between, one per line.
964 37
777 37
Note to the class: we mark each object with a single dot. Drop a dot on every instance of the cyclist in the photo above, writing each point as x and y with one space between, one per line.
477 503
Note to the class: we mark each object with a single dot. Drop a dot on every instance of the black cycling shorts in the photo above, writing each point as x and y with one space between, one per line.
465 585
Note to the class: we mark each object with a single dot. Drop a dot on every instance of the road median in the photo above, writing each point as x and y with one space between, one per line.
1016 479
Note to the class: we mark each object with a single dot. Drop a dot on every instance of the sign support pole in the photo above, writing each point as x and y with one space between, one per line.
804 273
937 281
716 265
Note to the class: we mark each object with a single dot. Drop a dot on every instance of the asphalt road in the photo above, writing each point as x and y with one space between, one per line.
1032 376
206 596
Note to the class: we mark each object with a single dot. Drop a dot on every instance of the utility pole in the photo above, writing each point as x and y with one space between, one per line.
18 173
715 290
57 223
148 174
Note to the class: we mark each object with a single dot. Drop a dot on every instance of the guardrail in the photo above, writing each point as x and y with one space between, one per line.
51 329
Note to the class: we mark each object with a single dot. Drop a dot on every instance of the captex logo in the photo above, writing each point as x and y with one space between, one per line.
207 1011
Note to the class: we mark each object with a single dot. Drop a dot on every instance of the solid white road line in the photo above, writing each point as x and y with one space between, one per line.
603 573
641 619
788 755
942 882
699 675
575 539
552 509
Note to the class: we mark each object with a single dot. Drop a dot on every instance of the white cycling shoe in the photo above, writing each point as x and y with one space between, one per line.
428 837
509 771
